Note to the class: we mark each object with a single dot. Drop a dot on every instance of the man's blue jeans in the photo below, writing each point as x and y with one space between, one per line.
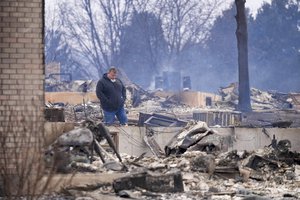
109 117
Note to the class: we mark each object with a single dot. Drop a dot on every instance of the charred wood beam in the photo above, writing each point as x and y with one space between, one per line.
163 183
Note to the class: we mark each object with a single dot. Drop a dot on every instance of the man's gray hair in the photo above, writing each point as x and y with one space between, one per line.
112 69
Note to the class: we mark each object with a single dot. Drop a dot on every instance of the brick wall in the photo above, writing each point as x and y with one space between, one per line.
21 76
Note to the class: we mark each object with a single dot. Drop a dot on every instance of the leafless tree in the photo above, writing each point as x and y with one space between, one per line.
52 25
117 14
57 49
186 22
95 28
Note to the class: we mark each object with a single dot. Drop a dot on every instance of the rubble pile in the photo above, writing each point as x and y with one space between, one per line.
136 96
260 100
192 165
269 108
184 172
197 175
71 149
78 112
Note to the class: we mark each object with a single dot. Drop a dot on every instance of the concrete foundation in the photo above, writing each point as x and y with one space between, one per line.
131 139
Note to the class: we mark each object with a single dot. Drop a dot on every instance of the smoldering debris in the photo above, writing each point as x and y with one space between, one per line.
270 108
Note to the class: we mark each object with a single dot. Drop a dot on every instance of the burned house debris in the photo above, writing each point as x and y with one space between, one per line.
260 100
174 148
223 154
188 138
79 144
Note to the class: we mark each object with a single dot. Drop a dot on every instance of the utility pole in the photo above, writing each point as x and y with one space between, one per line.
242 44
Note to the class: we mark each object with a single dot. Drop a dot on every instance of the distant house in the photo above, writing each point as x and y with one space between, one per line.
52 68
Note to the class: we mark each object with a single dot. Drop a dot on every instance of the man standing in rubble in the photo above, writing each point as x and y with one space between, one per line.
112 95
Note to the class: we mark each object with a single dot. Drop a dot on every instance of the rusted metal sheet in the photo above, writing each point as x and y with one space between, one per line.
158 120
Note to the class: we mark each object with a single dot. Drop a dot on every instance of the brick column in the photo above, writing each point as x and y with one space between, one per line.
21 80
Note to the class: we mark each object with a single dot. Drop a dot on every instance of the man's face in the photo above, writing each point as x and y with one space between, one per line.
112 75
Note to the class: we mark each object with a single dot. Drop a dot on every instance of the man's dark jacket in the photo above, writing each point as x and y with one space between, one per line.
112 95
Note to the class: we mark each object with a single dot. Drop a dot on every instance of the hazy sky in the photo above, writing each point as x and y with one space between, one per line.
252 4
255 4
51 8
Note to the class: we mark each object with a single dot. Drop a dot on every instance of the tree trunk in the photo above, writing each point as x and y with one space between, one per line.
242 43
